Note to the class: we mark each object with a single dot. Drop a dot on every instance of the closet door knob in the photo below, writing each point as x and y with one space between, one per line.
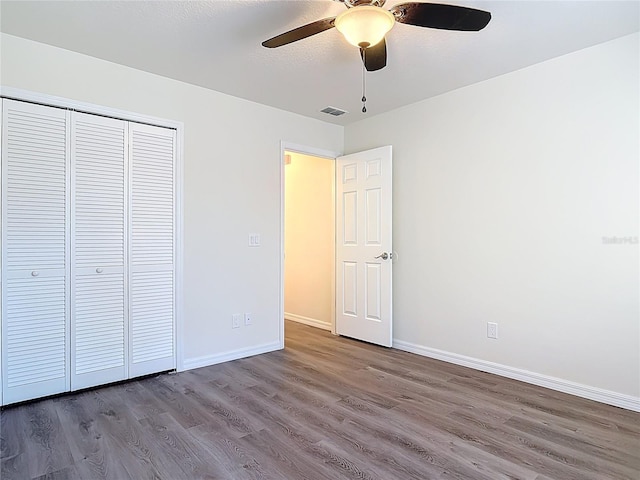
35 273
99 270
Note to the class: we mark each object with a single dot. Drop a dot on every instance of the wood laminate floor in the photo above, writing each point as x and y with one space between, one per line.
323 408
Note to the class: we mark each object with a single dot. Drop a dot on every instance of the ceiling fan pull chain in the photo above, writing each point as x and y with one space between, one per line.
364 87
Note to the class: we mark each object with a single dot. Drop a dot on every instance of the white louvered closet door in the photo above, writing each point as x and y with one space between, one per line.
98 310
152 253
35 260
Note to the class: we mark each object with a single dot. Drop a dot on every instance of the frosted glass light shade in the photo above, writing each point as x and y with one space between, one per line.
365 26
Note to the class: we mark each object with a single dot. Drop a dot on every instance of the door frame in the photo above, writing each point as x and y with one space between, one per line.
315 152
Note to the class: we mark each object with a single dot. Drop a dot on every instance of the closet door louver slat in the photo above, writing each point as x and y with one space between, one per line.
152 257
35 317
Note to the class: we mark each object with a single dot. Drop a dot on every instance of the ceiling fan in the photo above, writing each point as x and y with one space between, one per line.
365 23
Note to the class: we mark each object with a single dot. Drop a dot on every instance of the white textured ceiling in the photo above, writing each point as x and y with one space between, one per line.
217 44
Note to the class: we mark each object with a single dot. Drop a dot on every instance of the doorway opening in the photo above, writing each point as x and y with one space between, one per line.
309 239
361 292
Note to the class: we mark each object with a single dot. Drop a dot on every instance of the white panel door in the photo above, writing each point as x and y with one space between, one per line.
152 258
363 246
35 260
98 294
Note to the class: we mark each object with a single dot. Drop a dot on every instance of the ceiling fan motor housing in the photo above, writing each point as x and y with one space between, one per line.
357 3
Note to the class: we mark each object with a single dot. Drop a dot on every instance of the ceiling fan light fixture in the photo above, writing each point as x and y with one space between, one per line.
365 26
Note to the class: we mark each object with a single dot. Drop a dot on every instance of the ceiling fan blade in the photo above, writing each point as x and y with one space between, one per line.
375 58
300 33
444 17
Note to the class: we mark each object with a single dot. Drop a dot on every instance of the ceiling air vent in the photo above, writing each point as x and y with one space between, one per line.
336 112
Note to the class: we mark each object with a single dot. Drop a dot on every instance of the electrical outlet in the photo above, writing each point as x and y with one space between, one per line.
235 320
492 330
254 239
248 319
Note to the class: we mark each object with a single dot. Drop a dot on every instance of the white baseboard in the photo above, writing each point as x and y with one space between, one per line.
628 402
308 321
208 360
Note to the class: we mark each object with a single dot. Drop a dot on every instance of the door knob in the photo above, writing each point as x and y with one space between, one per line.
383 256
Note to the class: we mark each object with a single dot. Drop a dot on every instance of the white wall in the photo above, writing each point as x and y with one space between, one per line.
232 185
309 240
503 192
